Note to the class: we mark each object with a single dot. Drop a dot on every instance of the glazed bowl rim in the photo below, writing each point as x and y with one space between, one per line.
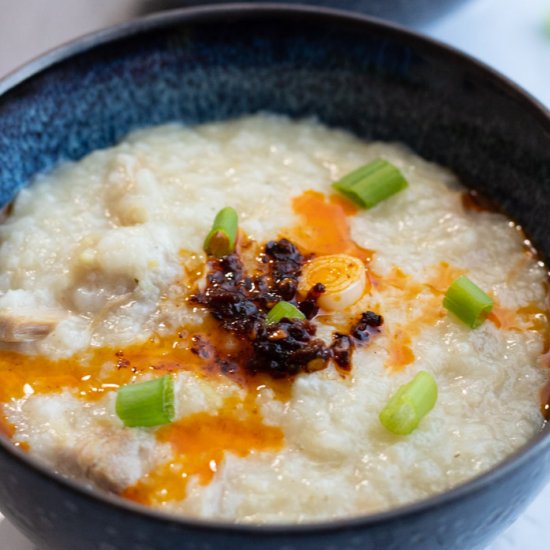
71 49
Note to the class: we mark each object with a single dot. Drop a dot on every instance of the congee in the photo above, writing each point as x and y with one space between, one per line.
266 321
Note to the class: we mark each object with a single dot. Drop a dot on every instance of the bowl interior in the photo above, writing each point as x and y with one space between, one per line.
378 82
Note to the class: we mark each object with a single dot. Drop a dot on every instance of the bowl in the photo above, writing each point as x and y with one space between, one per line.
376 80
406 12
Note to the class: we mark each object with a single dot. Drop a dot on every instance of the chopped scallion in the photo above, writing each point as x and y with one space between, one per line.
283 310
410 403
468 302
372 183
220 241
148 403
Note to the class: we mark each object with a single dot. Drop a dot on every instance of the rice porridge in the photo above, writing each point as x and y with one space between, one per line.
105 282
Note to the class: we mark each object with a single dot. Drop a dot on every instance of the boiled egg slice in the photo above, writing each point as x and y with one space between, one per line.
343 277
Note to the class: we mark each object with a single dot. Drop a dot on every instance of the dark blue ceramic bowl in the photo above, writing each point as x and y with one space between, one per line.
378 81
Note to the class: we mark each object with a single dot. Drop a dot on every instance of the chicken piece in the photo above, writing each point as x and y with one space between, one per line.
113 459
27 327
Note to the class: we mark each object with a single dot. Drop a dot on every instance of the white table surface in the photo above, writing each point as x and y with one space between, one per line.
507 34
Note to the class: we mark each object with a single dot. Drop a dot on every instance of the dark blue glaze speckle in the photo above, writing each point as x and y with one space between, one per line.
376 81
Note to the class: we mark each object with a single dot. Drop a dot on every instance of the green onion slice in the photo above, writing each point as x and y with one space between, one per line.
283 310
468 302
221 239
410 403
372 183
148 403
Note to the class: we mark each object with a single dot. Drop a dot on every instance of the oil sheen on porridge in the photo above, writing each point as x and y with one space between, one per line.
102 270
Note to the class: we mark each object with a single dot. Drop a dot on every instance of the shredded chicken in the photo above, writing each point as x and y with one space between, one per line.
23 327
112 460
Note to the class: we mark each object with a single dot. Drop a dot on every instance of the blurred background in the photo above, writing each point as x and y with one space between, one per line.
513 36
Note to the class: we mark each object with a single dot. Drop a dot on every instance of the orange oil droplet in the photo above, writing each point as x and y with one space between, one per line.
400 352
347 206
444 275
503 318
545 401
92 374
324 228
530 317
426 312
199 443
473 201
